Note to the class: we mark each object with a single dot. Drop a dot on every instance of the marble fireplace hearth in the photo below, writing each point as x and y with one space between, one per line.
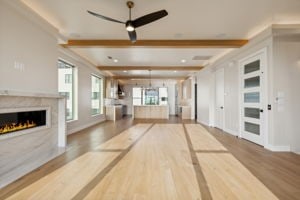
23 151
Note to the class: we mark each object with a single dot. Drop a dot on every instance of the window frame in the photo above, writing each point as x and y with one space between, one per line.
98 80
72 66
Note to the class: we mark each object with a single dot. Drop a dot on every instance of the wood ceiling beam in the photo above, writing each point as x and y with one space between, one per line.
148 78
157 43
156 68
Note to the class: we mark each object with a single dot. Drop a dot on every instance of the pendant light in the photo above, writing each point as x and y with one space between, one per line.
150 83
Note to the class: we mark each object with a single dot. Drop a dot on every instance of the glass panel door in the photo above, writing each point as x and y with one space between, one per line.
252 98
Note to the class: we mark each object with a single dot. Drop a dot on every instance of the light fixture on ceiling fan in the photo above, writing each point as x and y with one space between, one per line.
131 25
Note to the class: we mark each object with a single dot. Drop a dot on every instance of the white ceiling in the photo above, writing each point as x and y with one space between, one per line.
189 19
154 74
146 56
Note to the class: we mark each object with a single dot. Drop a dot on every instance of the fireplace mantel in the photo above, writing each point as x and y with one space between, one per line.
21 154
29 94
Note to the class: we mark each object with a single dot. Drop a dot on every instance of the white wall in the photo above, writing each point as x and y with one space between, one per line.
27 39
35 49
286 95
231 78
23 41
128 93
84 71
204 82
283 78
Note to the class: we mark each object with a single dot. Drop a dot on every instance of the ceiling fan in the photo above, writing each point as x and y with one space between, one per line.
131 25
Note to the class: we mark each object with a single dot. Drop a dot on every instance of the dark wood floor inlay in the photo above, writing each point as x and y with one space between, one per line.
203 187
92 184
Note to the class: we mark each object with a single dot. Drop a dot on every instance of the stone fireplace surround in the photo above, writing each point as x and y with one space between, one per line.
28 130
22 152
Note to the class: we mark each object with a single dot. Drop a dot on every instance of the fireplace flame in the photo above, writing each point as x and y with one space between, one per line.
16 127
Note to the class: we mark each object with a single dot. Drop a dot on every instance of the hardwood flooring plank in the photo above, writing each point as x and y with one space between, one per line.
202 140
66 181
158 167
227 178
161 165
202 183
126 139
78 144
278 171
98 178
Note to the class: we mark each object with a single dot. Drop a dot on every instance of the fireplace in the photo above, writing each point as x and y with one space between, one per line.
19 121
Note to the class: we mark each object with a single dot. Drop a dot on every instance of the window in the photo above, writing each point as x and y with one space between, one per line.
66 86
96 95
136 96
68 78
149 96
66 94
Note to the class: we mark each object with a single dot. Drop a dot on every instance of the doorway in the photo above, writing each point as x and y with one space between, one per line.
219 103
252 77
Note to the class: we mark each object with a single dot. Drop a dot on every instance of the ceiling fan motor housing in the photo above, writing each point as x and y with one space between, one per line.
130 4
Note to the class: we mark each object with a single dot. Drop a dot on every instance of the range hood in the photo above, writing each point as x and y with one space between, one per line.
121 91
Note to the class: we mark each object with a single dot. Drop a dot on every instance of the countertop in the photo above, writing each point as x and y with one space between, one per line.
114 105
150 105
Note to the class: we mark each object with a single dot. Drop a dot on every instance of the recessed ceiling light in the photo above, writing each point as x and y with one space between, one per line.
124 71
116 60
183 60
74 35
221 35
178 35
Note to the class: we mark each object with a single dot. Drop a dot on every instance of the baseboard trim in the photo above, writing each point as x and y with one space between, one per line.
278 148
202 122
74 130
231 132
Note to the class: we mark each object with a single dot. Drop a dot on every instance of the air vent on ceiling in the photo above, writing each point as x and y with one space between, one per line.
202 57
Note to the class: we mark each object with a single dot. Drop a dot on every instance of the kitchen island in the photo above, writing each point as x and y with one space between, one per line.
114 112
151 112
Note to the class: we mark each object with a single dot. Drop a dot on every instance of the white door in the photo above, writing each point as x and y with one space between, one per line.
252 97
219 104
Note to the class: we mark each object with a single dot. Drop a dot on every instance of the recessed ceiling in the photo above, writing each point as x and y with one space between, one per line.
146 56
191 19
136 74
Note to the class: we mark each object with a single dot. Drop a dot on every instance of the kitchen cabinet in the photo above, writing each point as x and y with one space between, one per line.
187 89
112 89
185 112
151 112
114 112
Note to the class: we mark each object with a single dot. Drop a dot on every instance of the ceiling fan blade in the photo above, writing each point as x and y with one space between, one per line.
106 18
146 19
132 36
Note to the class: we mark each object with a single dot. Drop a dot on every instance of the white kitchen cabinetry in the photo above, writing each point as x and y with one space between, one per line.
112 89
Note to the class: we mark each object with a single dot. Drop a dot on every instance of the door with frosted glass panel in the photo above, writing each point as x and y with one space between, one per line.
252 98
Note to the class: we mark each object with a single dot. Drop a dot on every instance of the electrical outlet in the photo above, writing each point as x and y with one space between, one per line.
19 66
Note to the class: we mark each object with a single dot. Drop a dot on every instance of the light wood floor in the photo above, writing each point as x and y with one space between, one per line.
160 159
